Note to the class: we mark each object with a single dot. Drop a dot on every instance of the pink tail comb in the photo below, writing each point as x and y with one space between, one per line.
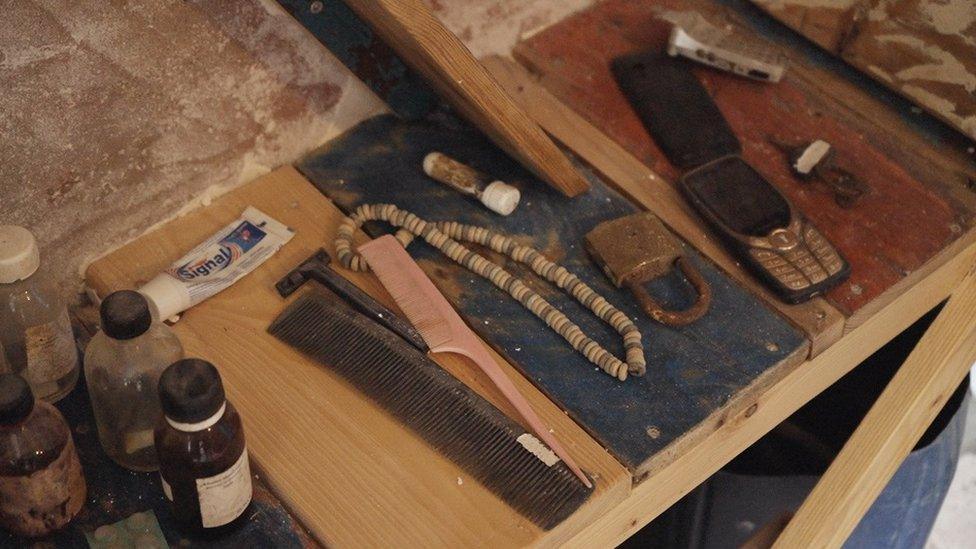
444 330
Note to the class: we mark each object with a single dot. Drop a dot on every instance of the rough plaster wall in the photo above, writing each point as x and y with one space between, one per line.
115 115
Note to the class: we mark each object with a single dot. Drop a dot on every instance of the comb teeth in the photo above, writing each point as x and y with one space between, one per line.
413 291
452 418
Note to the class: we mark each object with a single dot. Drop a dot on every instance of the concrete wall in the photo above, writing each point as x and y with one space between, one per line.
115 116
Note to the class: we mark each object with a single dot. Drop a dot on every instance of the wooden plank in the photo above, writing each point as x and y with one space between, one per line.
695 373
892 427
922 49
889 234
424 43
738 431
351 473
115 493
821 323
826 25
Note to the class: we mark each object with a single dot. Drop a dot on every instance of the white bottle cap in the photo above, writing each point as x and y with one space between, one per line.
500 197
19 257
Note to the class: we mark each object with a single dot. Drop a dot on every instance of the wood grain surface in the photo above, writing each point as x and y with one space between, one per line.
116 493
425 44
770 407
822 324
906 408
695 373
351 473
892 232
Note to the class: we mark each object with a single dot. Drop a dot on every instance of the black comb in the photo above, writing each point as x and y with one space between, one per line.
452 418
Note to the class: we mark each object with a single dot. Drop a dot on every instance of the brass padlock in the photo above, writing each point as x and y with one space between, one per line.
638 248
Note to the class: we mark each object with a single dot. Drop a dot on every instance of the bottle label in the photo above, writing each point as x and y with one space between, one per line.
50 350
223 497
45 500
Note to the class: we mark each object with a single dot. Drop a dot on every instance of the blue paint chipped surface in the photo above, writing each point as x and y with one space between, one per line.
692 371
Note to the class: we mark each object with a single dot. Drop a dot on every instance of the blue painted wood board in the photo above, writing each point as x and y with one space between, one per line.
692 371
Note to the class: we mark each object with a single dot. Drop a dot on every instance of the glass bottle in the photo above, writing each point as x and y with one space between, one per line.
41 483
123 363
35 330
203 461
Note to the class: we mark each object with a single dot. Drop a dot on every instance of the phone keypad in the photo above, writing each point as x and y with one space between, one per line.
809 261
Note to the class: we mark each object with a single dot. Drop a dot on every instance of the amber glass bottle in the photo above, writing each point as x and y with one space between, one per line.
203 460
41 483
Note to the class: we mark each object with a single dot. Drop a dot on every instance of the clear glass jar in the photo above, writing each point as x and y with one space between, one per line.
123 363
35 330
41 483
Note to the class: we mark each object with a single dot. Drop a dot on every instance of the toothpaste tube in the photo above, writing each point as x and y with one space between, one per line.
218 262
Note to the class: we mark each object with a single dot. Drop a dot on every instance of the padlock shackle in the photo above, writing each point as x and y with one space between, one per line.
675 318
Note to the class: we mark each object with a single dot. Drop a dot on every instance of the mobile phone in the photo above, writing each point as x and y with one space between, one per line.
763 227
675 108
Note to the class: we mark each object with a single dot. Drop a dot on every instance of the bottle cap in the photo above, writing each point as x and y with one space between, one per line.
500 197
16 399
19 257
125 315
190 390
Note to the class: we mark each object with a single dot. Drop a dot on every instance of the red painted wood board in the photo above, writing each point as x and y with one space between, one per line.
891 232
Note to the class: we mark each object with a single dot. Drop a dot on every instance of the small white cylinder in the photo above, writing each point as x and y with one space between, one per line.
497 196
500 197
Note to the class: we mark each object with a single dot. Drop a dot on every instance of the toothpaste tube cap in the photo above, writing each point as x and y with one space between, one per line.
500 197
169 296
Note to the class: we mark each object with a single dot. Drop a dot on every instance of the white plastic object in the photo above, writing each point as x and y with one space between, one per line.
500 197
700 41
811 156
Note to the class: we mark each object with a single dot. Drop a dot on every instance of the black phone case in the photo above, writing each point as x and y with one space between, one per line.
733 171
675 108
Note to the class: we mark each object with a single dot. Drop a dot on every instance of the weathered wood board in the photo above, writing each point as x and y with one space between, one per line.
115 493
353 474
694 373
820 322
923 49
890 233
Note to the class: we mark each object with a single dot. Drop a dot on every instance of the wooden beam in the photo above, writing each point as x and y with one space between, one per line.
740 430
819 321
426 45
344 466
891 428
